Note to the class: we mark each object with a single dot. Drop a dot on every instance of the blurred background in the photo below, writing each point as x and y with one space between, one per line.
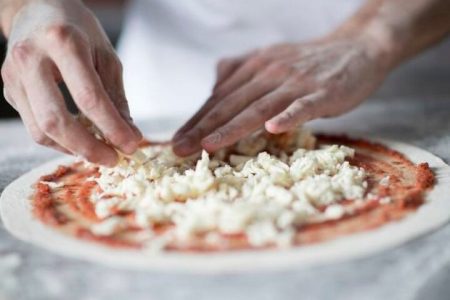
417 78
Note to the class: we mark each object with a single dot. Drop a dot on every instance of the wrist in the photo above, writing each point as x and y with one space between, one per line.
384 42
381 42
9 9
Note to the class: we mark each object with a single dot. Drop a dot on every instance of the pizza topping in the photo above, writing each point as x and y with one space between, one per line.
385 200
265 191
385 180
334 211
263 188
53 185
108 226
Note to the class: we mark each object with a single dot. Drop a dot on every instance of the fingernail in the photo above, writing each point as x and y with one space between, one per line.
270 127
213 138
130 147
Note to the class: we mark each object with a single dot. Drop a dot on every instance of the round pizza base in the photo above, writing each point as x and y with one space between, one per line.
16 213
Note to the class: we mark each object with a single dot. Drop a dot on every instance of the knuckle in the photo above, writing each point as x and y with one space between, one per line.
277 69
260 108
66 35
22 51
257 60
60 32
39 137
88 99
6 73
50 123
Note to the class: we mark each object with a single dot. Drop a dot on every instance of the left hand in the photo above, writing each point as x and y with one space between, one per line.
282 87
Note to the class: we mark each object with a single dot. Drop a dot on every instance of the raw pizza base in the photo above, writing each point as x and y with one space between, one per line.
16 213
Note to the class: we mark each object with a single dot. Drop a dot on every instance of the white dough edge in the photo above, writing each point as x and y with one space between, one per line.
16 213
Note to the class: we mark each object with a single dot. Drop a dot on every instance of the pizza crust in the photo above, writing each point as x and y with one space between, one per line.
16 213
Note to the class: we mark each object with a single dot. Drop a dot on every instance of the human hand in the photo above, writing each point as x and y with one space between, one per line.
60 40
282 87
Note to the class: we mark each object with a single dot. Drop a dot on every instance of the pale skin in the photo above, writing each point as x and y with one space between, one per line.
60 40
279 87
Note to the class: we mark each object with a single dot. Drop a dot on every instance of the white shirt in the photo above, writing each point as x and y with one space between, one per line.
169 48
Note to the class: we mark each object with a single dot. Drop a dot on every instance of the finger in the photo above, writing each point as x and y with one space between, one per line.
53 118
14 94
227 66
52 144
209 104
229 107
225 69
249 120
22 107
8 98
110 71
9 77
216 112
241 76
300 111
74 60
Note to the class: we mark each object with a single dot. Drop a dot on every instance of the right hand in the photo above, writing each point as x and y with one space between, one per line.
60 40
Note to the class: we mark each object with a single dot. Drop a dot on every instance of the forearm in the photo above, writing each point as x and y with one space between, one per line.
400 28
9 8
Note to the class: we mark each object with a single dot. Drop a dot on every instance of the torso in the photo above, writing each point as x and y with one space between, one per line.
170 48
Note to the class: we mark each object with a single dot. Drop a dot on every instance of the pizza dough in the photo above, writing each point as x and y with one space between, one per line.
17 217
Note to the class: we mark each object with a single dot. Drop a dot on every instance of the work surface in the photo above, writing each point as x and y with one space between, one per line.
417 270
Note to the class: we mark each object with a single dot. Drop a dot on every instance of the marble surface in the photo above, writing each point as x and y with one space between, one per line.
416 270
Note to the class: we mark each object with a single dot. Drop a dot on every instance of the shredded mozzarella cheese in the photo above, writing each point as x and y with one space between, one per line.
263 188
